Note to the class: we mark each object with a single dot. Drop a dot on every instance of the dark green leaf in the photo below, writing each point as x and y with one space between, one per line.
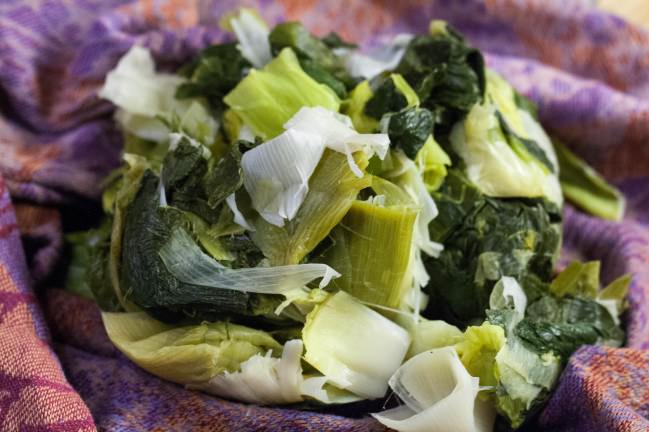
578 279
314 54
387 98
144 277
484 239
88 272
225 178
563 325
446 73
562 339
321 75
183 175
408 129
333 40
216 71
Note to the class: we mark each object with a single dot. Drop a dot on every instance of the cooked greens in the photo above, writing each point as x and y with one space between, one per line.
294 219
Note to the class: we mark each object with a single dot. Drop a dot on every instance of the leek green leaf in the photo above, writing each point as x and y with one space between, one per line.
409 129
447 74
613 297
315 56
432 161
354 107
215 72
267 98
584 187
478 350
484 239
391 94
89 272
372 246
525 378
185 354
578 279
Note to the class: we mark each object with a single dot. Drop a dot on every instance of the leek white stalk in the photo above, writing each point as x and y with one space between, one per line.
356 348
252 33
276 173
262 379
439 395
142 95
338 134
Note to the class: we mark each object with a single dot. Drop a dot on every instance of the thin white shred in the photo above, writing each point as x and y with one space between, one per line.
189 264
385 57
239 219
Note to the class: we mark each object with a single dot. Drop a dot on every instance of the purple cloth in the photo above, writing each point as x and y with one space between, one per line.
586 69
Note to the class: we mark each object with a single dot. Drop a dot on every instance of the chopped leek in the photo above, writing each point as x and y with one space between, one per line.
587 189
276 173
371 250
185 354
359 356
433 385
338 134
354 107
262 379
252 33
432 161
429 334
269 97
333 187
143 95
478 350
184 259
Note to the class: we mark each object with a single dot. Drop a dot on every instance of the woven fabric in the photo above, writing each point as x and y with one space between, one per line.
587 70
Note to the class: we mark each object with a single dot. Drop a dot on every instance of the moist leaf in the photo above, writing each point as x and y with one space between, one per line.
409 129
214 73
478 351
562 325
333 40
88 272
432 161
350 356
144 278
485 239
446 73
523 146
313 53
390 95
225 178
354 107
185 354
587 189
578 279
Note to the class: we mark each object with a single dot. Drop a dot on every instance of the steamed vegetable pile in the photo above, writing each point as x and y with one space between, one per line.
297 221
